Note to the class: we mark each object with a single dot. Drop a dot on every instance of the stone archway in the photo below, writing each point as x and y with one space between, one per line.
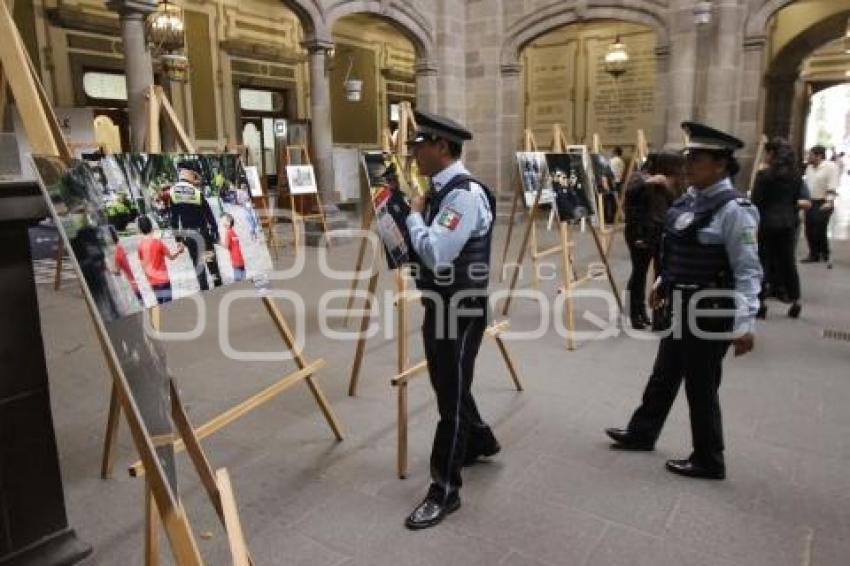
549 18
757 21
414 26
408 20
312 19
784 108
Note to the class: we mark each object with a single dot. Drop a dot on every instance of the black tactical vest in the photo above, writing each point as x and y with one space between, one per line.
471 269
686 261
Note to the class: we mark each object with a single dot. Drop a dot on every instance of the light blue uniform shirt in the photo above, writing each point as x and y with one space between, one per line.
438 245
735 226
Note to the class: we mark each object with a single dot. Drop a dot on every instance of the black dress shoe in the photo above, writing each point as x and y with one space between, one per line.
794 310
810 259
691 470
762 312
624 440
473 454
638 322
431 512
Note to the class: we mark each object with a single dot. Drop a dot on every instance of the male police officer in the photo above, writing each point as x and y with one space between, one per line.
195 222
709 245
450 231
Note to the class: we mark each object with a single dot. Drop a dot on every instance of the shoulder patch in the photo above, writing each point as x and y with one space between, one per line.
449 218
748 236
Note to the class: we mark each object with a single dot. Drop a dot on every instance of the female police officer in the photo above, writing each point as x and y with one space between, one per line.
709 263
451 232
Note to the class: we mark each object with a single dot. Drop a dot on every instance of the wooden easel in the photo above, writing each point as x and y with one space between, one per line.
568 275
403 296
45 137
157 100
302 206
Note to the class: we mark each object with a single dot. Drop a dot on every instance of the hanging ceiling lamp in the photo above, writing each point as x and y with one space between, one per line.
353 87
165 28
616 58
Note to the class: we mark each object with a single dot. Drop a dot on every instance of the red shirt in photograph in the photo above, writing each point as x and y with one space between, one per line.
152 253
123 265
232 244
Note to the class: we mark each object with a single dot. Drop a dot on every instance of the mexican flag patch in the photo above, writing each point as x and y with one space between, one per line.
449 218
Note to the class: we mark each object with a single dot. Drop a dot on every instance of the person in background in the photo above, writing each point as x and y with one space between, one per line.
231 242
618 167
122 264
779 193
822 180
152 254
648 196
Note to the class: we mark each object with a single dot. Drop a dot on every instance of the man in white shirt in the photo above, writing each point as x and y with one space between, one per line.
618 167
822 180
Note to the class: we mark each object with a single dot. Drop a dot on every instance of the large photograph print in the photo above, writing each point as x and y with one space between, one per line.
150 229
390 206
534 175
574 195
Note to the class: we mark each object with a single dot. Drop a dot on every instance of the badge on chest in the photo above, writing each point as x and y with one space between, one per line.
683 221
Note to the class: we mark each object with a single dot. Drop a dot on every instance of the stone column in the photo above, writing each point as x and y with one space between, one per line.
426 85
681 76
511 126
658 136
748 124
137 62
320 109
723 61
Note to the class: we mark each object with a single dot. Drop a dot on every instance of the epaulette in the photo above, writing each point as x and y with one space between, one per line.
743 201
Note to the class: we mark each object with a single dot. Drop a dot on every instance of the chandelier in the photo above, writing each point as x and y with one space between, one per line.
616 58
165 28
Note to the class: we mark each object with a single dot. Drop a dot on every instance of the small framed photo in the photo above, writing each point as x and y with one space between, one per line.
302 179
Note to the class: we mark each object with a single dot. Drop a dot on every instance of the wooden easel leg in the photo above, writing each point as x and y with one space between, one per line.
110 441
401 304
232 524
535 247
608 271
567 277
361 339
402 430
358 264
151 528
509 362
528 227
60 259
517 196
289 340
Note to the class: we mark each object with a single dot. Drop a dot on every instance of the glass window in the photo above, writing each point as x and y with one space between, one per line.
105 86
260 100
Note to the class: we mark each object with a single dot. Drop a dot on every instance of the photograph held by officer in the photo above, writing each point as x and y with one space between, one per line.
779 193
451 231
709 245
822 180
648 196
194 223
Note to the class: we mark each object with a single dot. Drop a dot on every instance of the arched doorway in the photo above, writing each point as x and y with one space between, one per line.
804 44
376 52
564 81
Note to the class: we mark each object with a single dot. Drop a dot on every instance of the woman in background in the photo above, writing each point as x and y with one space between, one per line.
779 193
648 196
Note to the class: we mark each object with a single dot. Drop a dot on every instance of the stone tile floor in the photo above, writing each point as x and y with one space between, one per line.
555 496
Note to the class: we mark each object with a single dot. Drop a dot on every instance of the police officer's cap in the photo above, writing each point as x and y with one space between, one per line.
430 127
705 138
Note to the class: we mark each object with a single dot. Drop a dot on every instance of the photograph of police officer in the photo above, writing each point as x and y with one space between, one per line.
709 262
534 175
451 231
573 196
